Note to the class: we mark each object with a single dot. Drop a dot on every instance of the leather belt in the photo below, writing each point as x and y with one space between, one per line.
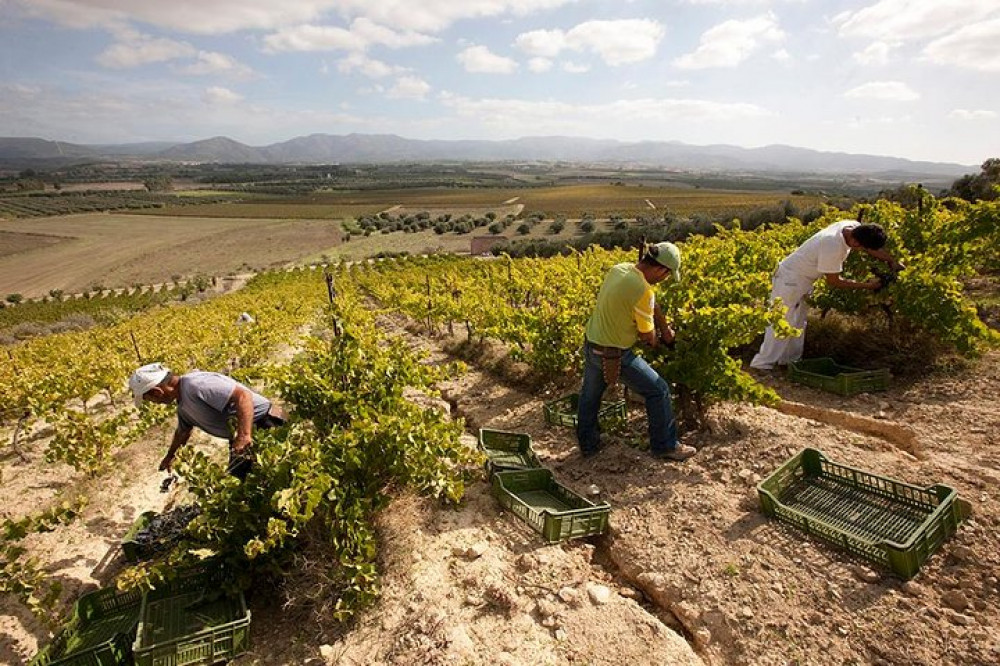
611 361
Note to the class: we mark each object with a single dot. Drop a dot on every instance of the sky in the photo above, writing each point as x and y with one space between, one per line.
918 79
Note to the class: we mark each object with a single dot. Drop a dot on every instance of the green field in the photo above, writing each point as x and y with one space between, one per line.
572 201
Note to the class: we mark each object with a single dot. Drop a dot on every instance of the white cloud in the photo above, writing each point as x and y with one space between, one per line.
217 95
876 53
480 60
541 43
539 65
616 42
575 68
520 116
905 20
781 55
973 114
19 90
225 16
375 69
362 34
190 16
975 46
436 15
313 38
161 111
373 33
730 43
210 63
891 91
140 50
409 87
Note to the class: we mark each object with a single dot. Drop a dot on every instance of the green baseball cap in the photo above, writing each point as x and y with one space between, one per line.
669 255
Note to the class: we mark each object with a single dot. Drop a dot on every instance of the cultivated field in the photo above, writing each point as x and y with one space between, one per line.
12 242
75 252
570 201
121 250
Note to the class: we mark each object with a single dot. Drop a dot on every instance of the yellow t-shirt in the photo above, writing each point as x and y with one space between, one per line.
624 308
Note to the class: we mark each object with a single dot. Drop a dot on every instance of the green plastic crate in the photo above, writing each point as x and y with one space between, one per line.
888 522
135 551
610 416
99 633
825 373
507 450
555 512
190 621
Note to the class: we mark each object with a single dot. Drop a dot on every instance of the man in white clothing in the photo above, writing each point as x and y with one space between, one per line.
823 254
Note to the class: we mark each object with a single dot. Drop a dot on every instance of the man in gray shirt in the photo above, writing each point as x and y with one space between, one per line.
209 401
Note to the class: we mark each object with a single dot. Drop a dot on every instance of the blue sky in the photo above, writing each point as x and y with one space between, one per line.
910 78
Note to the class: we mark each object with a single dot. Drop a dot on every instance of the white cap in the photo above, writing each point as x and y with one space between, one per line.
145 378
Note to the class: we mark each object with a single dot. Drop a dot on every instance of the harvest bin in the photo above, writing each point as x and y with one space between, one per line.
190 621
611 415
99 633
552 510
825 373
888 522
507 450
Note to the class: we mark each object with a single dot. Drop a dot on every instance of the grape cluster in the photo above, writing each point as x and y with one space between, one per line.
165 529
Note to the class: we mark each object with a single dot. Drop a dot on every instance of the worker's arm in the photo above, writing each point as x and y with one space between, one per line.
181 435
664 330
242 401
834 280
882 255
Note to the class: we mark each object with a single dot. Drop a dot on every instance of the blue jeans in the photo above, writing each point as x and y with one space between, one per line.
637 375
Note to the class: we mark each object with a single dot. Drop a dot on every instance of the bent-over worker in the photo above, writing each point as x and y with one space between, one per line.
210 401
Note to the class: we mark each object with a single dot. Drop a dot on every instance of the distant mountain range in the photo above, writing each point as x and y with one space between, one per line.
388 148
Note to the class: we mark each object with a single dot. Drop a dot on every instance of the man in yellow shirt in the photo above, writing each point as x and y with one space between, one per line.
626 312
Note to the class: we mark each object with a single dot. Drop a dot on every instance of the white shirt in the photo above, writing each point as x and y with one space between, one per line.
823 253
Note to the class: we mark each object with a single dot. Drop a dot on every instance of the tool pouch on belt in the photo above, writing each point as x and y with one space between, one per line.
611 362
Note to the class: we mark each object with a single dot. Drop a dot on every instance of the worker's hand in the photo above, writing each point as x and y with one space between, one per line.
167 463
898 266
242 444
666 335
874 284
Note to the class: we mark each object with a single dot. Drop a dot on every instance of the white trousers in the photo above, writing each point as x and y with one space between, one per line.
792 289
